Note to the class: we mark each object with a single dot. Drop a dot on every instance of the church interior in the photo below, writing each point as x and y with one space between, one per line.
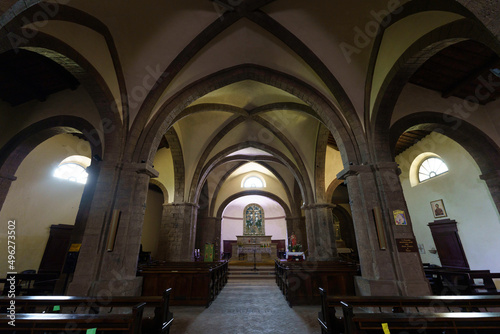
355 143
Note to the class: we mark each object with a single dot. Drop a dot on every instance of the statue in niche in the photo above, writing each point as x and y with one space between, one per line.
253 220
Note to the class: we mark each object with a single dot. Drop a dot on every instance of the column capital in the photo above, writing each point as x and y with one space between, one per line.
8 177
141 168
174 204
495 174
318 206
354 170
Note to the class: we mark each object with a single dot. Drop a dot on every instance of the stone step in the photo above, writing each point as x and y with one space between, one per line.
244 273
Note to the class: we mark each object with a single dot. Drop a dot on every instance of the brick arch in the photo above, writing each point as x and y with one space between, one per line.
91 80
423 49
253 192
349 141
39 10
403 12
484 151
18 147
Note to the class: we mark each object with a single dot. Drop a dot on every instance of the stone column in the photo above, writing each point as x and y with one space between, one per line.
385 270
178 232
320 232
5 182
492 180
103 271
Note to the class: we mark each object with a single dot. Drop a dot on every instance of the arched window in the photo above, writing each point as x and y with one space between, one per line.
73 169
431 167
253 182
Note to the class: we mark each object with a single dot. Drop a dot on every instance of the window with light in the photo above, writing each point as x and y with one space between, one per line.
430 168
253 182
73 169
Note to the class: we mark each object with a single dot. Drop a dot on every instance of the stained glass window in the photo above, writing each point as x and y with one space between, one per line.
254 220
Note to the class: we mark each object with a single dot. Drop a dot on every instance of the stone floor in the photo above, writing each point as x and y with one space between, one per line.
247 307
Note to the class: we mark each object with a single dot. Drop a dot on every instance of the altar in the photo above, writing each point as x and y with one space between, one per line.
255 248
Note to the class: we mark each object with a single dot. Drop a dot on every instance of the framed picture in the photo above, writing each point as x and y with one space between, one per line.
399 217
438 209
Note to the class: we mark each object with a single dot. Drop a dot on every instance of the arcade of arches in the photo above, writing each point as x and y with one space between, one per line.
331 106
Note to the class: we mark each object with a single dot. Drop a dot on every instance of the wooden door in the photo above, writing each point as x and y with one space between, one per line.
448 244
56 249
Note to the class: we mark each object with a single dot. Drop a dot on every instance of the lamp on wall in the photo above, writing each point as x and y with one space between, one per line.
379 226
113 227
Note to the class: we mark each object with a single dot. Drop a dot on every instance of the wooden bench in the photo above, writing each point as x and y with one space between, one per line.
448 322
484 283
31 284
452 281
46 322
330 323
300 281
160 323
193 283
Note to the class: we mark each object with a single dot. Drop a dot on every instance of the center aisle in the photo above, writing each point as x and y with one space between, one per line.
247 306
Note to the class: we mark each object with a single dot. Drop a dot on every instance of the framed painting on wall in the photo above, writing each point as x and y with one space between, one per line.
438 209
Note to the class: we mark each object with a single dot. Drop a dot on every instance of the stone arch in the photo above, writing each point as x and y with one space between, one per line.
178 159
349 141
409 62
331 188
278 156
15 151
253 192
319 177
481 147
231 170
162 188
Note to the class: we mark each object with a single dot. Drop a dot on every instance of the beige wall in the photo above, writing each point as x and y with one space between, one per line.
37 200
466 199
152 222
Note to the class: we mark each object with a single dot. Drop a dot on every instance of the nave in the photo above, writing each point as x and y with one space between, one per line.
247 306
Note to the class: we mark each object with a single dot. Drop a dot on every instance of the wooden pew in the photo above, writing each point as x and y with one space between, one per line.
161 322
193 283
451 281
300 281
449 322
330 323
46 322
484 284
31 284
